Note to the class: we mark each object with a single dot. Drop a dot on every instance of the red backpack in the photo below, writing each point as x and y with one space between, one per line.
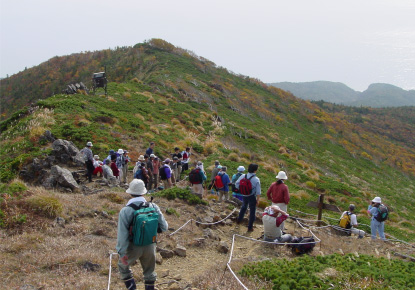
245 185
218 182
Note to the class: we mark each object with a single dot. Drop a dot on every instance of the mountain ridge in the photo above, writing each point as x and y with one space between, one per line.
376 95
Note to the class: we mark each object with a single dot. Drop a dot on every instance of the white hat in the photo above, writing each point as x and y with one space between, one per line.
136 187
89 144
241 169
96 157
141 158
377 199
120 151
281 175
152 155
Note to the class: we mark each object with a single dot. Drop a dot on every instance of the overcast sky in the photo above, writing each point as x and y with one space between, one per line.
356 42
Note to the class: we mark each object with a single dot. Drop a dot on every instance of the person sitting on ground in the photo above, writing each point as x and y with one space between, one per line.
235 177
348 220
272 219
128 252
98 166
375 224
107 173
224 191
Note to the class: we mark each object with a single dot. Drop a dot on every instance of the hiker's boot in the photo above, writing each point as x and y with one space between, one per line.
130 284
149 285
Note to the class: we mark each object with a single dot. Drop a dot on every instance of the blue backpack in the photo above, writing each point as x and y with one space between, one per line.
138 174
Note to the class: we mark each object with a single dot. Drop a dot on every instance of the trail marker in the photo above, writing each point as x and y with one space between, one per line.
321 205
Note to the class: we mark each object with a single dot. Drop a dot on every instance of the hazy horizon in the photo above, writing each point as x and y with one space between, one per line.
355 43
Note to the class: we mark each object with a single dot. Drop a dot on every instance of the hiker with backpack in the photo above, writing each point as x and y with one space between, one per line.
149 166
166 174
196 177
222 182
214 173
379 213
278 193
89 160
348 221
114 167
249 186
235 177
272 219
132 244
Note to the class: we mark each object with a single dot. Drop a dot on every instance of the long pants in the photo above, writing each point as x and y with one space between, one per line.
197 189
147 257
150 181
283 207
223 193
89 169
376 226
155 180
251 202
357 232
124 173
166 183
179 172
175 175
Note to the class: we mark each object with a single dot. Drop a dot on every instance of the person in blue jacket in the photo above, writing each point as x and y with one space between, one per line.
224 191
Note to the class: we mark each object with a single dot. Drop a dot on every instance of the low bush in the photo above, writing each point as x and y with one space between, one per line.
45 205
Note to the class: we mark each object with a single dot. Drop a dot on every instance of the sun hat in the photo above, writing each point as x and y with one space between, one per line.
141 158
89 144
96 157
219 167
120 151
167 160
152 156
281 175
136 187
241 169
377 199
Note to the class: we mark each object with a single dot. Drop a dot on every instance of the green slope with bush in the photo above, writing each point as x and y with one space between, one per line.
170 96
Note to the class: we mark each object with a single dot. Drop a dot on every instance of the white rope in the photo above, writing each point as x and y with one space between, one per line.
202 223
109 274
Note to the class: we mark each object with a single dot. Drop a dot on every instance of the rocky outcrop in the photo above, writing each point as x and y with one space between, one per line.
51 172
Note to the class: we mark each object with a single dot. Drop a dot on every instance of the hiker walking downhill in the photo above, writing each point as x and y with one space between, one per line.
89 160
348 220
251 190
379 213
128 251
278 193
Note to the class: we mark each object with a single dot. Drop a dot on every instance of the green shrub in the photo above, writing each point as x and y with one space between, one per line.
172 211
197 147
16 187
113 197
45 205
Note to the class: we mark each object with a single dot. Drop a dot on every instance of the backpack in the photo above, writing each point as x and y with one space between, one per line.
306 245
345 221
245 185
234 179
143 229
162 173
184 155
139 174
218 182
382 213
194 176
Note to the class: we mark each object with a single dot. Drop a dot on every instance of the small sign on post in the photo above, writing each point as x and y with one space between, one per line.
321 205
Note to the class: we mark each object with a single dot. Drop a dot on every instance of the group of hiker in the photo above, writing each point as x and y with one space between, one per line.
133 245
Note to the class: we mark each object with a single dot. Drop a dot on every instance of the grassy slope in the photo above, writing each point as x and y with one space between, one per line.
175 99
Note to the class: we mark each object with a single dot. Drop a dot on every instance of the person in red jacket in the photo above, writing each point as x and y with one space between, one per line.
114 167
278 193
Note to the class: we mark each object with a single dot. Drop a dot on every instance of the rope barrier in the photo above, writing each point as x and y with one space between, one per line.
297 219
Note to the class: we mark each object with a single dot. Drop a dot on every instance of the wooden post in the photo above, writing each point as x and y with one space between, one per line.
320 208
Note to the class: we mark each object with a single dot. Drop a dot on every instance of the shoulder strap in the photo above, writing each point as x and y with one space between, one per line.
136 207
250 177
